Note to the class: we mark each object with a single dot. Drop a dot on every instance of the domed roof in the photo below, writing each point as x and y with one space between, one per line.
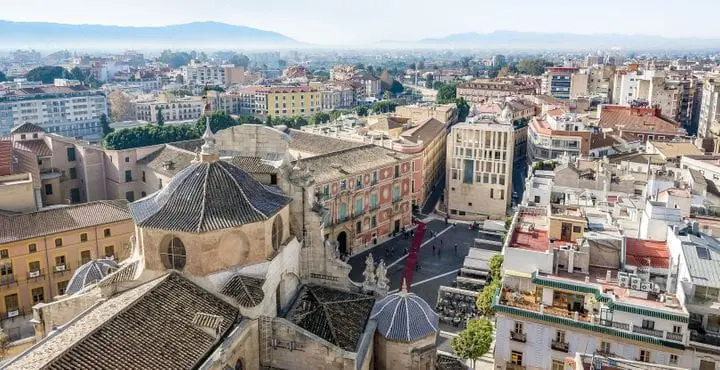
90 273
404 317
208 196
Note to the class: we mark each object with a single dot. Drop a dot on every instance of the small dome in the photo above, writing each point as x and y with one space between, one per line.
404 317
90 273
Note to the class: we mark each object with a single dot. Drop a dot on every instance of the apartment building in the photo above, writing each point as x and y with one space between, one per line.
639 122
171 107
339 95
446 113
283 101
479 169
571 287
480 91
557 134
39 251
709 122
72 111
557 81
199 74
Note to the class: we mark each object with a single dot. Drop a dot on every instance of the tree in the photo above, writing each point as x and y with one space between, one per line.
534 67
503 72
218 121
385 106
176 60
214 88
484 300
159 118
463 109
446 93
105 124
121 107
429 80
2 77
396 87
361 110
78 74
474 341
495 264
240 60
319 117
47 74
148 135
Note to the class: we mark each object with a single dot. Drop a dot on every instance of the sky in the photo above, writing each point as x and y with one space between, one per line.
348 22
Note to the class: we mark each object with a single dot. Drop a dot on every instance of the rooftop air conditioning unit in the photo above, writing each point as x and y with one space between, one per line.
635 283
646 286
624 281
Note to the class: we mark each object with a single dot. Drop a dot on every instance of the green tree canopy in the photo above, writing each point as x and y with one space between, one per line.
159 118
361 111
240 60
105 124
384 106
319 117
2 77
148 135
292 122
495 264
176 60
463 109
396 87
485 298
78 74
534 67
446 93
47 74
221 120
474 341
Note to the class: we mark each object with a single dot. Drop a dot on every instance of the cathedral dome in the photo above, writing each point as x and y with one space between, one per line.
90 273
404 317
208 196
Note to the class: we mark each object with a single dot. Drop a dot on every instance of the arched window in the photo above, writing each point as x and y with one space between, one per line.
173 255
277 233
239 365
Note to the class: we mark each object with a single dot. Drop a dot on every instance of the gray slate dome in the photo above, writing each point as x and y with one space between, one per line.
90 273
208 196
404 317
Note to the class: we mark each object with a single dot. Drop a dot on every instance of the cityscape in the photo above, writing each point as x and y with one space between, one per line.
222 189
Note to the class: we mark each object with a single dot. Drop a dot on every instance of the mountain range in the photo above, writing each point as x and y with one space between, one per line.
208 35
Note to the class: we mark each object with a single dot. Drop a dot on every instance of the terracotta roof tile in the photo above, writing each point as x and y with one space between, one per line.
37 147
647 253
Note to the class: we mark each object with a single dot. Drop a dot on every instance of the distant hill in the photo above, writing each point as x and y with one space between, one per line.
537 40
43 35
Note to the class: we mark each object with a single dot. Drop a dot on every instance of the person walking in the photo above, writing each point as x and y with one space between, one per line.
433 247
455 248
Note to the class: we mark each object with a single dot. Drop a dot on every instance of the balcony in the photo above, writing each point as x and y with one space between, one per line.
518 337
7 279
61 268
511 366
35 274
707 338
650 332
615 324
674 336
605 353
560 346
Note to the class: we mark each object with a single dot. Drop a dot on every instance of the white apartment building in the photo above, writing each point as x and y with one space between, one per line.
72 111
198 74
709 124
479 166
626 87
558 134
173 109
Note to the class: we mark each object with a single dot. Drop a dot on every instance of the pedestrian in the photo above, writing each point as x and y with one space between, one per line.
441 243
446 219
456 248
433 246
405 250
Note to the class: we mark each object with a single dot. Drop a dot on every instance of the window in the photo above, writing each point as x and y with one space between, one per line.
130 196
605 347
4 253
373 221
11 302
358 227
358 206
516 358
159 183
273 179
469 165
560 336
73 173
358 182
644 355
375 177
373 200
48 189
558 365
143 176
71 154
677 329
38 295
32 248
537 199
673 359
6 271
342 212
60 261
518 327
277 233
576 229
397 171
83 237
343 185
85 257
648 324
61 287
173 257
128 175
396 193
58 242
22 136
326 192
35 136
127 159
143 194
107 233
74 195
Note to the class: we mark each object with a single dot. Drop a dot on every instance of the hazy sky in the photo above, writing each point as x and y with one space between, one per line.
363 22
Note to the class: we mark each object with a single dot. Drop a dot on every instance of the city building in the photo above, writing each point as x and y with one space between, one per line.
72 111
639 122
283 101
40 250
557 134
480 91
199 74
709 122
172 108
557 81
479 169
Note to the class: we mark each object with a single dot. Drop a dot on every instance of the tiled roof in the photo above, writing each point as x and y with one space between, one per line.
90 273
189 145
167 160
352 161
425 131
318 144
636 120
388 123
6 158
647 253
60 219
207 196
404 317
27 127
38 147
125 273
252 164
602 141
152 326
246 290
672 150
334 315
